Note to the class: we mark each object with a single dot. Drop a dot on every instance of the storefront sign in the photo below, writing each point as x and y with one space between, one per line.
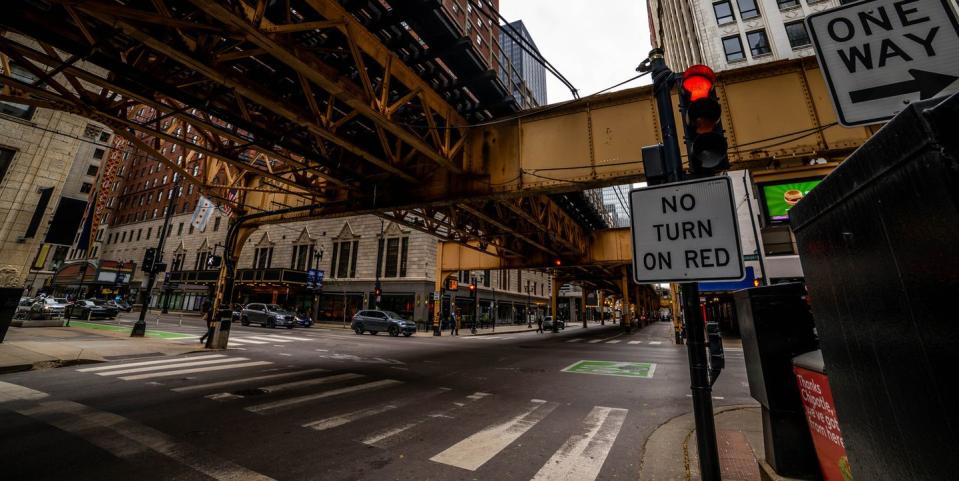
823 424
613 368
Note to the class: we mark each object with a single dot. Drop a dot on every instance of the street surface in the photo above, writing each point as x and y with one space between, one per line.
325 404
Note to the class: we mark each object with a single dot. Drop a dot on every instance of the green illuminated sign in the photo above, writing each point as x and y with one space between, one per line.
782 197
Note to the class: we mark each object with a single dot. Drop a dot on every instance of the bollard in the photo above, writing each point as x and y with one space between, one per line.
158 322
180 322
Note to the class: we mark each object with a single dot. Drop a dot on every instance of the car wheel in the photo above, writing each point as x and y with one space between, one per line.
358 329
394 331
373 332
244 321
407 334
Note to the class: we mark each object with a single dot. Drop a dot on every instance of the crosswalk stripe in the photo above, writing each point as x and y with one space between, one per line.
635 342
578 339
127 439
582 455
149 363
334 421
265 338
237 343
194 370
247 379
248 341
384 438
594 341
614 341
16 392
205 362
476 450
260 408
286 337
311 382
655 343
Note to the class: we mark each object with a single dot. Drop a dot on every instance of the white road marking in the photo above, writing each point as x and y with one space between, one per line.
149 363
614 341
332 422
269 339
385 439
223 396
127 439
205 362
178 372
582 455
718 398
635 342
15 392
260 408
578 339
476 450
247 379
285 354
282 337
248 341
311 382
655 343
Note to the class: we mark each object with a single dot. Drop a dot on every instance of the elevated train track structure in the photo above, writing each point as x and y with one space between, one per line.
300 109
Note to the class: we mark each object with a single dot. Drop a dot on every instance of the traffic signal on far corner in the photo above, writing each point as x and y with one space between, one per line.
149 258
377 290
705 140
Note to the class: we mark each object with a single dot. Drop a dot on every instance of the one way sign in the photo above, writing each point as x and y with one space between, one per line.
878 56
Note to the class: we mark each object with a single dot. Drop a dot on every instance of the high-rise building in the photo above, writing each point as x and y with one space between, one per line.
616 201
726 34
49 165
524 74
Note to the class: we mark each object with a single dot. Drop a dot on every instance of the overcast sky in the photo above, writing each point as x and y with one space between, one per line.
594 44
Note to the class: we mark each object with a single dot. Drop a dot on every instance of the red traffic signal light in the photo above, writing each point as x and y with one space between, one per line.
698 80
377 291
705 139
557 262
472 287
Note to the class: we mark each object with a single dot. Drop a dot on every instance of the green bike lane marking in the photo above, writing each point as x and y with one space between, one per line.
643 370
150 333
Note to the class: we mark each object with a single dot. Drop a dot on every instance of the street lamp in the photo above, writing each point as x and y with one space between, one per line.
529 320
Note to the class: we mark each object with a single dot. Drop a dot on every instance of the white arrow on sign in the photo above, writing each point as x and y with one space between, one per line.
879 56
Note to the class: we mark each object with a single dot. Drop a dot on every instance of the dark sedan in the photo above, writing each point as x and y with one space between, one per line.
90 309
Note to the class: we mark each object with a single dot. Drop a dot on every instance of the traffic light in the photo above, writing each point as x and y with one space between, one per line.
473 290
377 290
149 258
557 262
705 140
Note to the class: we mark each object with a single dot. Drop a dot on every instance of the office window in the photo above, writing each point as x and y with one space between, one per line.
724 12
733 47
784 4
179 229
15 109
302 257
178 262
149 231
123 237
748 9
486 278
201 260
6 158
98 153
139 233
394 258
758 42
86 187
104 137
216 224
92 170
190 230
343 263
263 258
798 37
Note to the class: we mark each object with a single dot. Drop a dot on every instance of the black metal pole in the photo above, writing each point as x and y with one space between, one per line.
695 329
139 328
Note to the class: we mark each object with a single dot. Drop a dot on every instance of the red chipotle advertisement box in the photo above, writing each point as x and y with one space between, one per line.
821 416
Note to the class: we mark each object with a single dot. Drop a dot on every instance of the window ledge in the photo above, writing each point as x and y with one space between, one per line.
740 60
726 23
802 47
792 7
763 55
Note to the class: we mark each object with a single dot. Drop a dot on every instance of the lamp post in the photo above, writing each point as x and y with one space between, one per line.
529 320
317 257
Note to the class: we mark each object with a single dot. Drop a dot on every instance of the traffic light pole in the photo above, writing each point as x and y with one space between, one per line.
695 328
140 327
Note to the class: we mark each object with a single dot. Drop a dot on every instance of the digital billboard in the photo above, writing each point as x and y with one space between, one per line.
779 198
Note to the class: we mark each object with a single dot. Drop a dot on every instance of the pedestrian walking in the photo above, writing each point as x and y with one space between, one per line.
453 328
207 310
539 325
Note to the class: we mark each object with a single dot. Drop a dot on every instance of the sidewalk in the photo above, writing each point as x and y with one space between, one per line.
41 348
670 453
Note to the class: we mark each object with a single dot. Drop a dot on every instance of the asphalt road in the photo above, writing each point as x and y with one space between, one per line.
326 404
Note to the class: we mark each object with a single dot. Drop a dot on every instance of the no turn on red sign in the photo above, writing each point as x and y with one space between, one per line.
686 232
879 56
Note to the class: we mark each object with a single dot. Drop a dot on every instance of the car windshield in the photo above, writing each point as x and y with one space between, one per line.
275 308
60 300
392 315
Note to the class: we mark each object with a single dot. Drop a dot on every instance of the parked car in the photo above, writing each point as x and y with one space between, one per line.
386 321
548 323
121 306
268 315
237 310
93 309
23 308
48 308
304 320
